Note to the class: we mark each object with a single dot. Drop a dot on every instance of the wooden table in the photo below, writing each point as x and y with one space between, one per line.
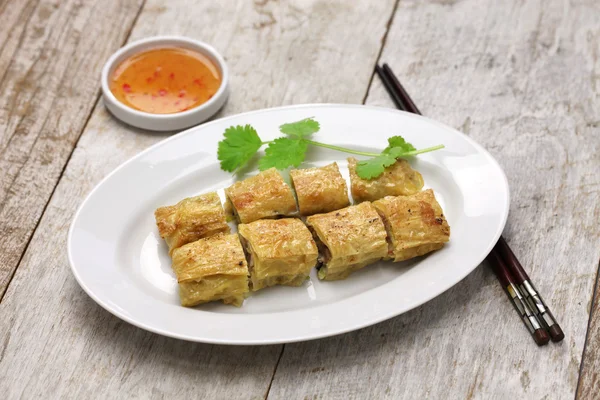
520 77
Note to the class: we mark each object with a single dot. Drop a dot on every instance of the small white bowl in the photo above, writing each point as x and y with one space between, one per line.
164 122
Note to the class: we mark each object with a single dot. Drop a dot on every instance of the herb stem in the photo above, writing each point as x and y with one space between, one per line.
345 150
421 151
368 154
365 153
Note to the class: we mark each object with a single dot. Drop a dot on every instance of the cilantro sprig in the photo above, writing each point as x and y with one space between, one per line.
241 143
238 147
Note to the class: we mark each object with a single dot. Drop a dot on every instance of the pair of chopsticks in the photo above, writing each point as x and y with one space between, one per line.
534 313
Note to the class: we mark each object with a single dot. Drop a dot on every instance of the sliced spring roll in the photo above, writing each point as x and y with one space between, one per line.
211 269
191 219
280 252
398 179
415 224
348 239
320 190
265 195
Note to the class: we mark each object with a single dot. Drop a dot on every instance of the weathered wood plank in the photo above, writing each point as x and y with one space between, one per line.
55 340
589 379
522 79
50 56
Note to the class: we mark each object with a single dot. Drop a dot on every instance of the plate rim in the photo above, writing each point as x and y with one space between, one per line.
365 322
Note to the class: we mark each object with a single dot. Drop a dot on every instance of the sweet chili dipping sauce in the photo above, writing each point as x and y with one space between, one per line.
165 80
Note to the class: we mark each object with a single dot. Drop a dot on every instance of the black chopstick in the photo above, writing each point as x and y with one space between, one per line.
503 260
387 82
410 105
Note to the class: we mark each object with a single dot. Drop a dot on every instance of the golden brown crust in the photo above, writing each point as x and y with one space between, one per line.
416 224
282 252
220 254
398 179
320 190
191 219
354 237
265 195
227 288
210 269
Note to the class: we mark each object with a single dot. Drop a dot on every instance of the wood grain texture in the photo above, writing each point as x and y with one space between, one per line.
522 79
48 88
589 379
55 341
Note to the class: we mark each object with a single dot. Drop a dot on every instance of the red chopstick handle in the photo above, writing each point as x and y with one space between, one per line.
537 331
510 258
542 311
531 294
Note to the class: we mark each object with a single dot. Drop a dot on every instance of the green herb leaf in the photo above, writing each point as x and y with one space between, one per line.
398 142
238 147
242 142
283 153
300 129
373 167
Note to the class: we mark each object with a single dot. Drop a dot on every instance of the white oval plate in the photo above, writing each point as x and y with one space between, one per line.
119 259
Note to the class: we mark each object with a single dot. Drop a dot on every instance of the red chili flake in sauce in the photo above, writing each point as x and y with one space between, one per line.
163 74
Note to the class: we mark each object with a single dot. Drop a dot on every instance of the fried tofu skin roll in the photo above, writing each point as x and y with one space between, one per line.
416 224
265 195
320 190
348 240
191 219
211 269
398 179
280 252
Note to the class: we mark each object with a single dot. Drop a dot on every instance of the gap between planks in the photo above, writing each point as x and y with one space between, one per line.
274 371
388 25
586 341
87 120
383 42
